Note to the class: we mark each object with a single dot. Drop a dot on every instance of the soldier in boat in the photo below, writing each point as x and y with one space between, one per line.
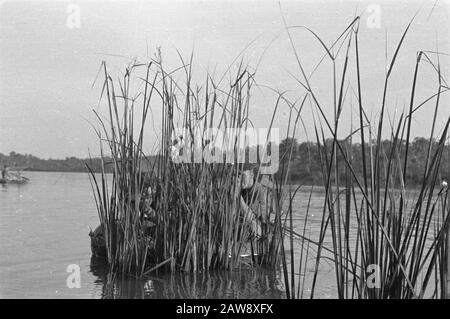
253 194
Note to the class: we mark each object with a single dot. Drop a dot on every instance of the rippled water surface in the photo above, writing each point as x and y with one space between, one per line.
44 228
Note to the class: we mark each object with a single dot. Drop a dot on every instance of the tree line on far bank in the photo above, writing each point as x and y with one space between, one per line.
306 166
27 162
308 160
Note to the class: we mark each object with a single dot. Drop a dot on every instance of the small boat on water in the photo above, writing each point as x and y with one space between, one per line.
15 180
12 176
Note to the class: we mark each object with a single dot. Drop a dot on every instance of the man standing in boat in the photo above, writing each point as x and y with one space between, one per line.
4 171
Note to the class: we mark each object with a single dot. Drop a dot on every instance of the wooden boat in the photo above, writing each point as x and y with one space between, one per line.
98 245
13 176
17 181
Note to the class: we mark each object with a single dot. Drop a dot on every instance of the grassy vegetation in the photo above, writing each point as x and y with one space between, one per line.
305 167
199 222
387 242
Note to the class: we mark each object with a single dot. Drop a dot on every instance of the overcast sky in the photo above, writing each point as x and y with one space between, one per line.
49 58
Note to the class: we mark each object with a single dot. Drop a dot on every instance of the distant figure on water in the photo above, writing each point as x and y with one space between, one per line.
4 171
444 183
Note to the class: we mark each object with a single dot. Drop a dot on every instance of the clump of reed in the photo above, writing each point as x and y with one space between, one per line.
198 222
386 243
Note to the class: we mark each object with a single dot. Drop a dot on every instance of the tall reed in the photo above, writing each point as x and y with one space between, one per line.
199 222
388 241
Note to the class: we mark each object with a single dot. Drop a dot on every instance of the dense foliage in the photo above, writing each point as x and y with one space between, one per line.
305 167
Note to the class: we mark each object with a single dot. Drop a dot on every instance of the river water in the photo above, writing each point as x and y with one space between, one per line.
44 228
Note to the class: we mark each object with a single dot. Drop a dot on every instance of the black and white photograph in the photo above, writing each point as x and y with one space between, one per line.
225 155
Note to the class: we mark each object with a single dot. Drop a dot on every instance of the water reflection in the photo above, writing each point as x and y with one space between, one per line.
242 283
